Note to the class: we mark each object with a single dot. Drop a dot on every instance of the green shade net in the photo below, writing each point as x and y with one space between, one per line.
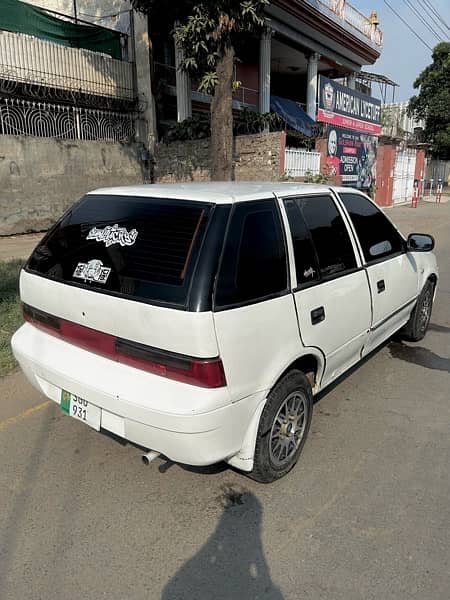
23 18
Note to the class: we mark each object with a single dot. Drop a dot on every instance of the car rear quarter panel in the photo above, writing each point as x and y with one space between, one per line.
258 343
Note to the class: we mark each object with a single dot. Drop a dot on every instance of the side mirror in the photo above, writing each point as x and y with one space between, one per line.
419 242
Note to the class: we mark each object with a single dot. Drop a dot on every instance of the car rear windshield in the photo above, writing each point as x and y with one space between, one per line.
138 247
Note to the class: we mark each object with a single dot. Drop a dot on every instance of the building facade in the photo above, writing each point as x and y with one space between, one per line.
304 39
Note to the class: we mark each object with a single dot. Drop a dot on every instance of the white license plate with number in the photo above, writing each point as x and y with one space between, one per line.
80 409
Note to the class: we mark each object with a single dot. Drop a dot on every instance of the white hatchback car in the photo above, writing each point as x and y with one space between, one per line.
198 320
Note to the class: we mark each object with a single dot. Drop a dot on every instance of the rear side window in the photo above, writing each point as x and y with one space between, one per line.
143 248
377 236
304 254
254 260
329 234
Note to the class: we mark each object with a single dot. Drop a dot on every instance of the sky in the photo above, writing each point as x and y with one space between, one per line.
404 56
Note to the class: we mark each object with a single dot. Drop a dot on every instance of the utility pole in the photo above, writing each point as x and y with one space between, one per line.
75 14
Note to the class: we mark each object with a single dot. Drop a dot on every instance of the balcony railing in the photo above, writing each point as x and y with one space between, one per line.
31 60
350 16
242 95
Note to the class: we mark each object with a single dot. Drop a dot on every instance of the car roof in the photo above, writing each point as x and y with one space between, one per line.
217 192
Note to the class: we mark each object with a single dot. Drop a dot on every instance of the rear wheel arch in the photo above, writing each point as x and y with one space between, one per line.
311 364
308 363
283 427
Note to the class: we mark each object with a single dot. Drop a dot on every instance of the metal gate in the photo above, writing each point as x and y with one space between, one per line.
298 163
404 169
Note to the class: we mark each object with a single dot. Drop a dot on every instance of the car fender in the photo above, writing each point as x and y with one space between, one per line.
243 460
427 268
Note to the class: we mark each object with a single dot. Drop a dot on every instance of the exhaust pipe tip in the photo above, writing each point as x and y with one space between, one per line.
149 457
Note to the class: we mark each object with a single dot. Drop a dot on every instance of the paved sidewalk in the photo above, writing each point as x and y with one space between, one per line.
19 246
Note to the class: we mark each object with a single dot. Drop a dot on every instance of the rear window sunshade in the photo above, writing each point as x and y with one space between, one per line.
139 247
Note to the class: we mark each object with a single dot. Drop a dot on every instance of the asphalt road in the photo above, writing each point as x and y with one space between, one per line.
365 514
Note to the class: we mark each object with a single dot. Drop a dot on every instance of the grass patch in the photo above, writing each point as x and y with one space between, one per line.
10 311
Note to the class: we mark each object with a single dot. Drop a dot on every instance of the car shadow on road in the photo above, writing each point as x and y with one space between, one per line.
418 355
397 349
231 564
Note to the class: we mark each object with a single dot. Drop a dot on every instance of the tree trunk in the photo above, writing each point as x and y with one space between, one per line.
222 120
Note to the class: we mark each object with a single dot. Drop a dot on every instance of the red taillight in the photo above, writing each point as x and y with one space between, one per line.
204 373
90 339
207 373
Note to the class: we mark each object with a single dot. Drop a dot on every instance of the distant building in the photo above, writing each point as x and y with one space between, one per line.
398 124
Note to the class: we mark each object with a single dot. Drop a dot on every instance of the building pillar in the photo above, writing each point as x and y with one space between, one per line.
311 91
264 70
351 81
146 122
183 83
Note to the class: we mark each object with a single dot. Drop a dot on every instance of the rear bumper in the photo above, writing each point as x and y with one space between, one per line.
187 424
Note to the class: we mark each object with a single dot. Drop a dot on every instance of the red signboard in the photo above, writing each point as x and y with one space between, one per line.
348 122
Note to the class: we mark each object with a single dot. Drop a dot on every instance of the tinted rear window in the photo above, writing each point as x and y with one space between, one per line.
144 248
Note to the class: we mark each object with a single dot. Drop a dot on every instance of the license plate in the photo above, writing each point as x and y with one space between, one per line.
80 409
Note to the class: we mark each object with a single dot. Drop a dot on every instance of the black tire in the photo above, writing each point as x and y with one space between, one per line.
283 430
416 328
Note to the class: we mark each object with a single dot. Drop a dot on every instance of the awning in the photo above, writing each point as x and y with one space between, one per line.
20 17
293 114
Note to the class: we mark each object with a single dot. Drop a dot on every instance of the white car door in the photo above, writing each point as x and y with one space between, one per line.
331 292
392 272
254 312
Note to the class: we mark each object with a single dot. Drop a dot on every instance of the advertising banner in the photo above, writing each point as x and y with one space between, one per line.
352 155
344 107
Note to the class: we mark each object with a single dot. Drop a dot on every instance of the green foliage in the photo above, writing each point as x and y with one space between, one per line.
246 122
319 178
10 313
433 101
196 128
209 29
250 121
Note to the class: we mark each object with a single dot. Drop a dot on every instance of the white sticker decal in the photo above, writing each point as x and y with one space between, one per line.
92 271
309 273
113 234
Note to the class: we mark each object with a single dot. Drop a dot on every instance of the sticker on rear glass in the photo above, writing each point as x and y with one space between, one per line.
309 273
113 234
92 271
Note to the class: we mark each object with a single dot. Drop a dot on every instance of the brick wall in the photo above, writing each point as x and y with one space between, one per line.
385 171
256 157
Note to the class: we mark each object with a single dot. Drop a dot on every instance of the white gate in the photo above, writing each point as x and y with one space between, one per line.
298 162
404 169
